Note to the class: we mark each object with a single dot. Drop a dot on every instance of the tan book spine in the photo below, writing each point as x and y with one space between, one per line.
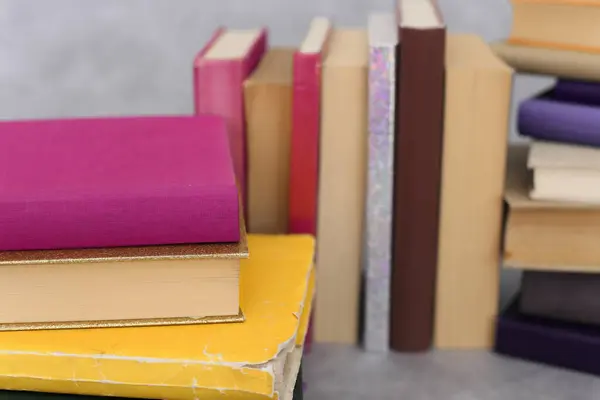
342 184
478 95
268 108
562 63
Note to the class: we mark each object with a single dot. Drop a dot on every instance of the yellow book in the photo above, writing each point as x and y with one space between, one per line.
250 360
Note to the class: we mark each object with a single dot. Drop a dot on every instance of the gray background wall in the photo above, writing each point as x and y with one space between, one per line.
118 57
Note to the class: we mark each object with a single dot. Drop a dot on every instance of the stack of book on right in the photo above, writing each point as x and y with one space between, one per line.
553 230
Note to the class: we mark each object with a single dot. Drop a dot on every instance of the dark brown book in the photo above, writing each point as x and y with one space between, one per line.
418 154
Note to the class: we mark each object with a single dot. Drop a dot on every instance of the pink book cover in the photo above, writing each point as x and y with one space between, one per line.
109 182
218 89
306 115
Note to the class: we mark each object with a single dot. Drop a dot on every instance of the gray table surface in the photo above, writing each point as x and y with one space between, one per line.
347 373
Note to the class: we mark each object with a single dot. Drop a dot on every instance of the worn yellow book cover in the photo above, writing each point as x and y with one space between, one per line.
238 361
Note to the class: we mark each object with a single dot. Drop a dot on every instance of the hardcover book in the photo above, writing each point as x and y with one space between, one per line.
546 117
256 359
474 166
114 287
297 391
551 342
306 118
220 70
561 296
556 24
268 108
343 155
545 61
383 40
86 183
577 91
547 235
418 158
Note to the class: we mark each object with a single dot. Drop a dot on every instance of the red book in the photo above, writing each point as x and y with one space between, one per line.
220 70
112 182
306 113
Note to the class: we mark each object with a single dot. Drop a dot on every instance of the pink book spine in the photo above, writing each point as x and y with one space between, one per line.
304 157
218 90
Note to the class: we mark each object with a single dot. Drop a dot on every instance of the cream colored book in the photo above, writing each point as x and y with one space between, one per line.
268 107
121 286
544 61
342 184
478 95
547 235
557 24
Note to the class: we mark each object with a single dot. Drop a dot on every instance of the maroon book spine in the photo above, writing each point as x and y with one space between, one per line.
418 154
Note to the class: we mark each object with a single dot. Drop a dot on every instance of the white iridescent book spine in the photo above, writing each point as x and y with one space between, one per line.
383 41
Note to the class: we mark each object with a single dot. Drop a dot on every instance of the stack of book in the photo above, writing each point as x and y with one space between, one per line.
125 268
359 136
553 222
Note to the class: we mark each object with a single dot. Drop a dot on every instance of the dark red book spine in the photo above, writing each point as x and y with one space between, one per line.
418 154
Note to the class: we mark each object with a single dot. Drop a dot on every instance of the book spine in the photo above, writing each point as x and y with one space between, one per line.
304 152
219 91
471 202
545 119
379 201
268 124
577 92
158 220
563 345
418 154
341 199
304 156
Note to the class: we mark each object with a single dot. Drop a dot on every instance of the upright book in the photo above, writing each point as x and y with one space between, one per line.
257 359
383 40
418 157
474 163
343 153
306 119
220 70
268 108
110 182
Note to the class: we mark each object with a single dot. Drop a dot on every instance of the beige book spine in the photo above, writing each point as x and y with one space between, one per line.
341 199
563 63
268 107
474 162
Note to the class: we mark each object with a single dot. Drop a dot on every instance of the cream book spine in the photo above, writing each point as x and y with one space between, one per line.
341 198
478 95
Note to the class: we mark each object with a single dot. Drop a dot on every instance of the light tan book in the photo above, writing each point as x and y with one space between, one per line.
342 179
121 286
557 24
547 235
478 95
562 63
268 107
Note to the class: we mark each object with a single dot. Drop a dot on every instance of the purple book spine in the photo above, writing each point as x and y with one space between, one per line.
546 119
555 343
577 92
